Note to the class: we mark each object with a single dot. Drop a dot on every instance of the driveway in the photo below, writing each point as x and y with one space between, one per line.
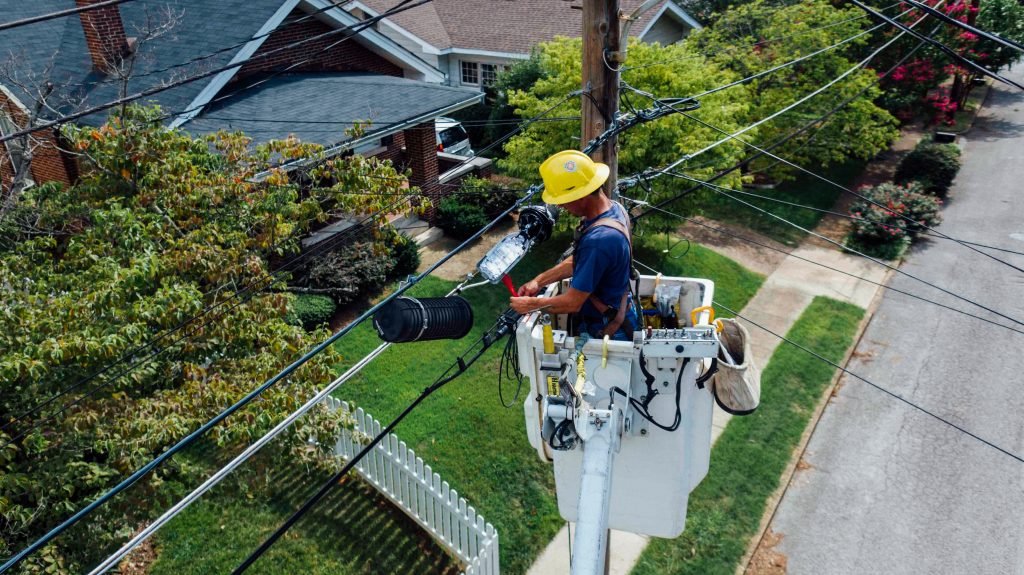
885 488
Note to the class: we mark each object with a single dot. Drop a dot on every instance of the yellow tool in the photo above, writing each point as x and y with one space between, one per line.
698 310
604 352
549 340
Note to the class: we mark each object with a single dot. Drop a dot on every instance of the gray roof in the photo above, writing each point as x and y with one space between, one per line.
320 107
57 48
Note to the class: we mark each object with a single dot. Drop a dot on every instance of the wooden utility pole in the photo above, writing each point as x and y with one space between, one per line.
601 80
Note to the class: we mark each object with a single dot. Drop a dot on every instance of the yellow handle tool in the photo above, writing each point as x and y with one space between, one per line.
698 310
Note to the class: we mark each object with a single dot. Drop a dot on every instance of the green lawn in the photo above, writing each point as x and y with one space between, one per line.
463 431
749 458
804 190
354 531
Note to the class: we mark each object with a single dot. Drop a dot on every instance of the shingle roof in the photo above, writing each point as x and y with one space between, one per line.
319 107
205 26
511 26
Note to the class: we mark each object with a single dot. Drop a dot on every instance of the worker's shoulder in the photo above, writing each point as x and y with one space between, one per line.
601 234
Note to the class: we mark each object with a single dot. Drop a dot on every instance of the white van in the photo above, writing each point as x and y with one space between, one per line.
452 137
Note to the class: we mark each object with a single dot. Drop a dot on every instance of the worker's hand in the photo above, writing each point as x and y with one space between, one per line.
522 305
529 288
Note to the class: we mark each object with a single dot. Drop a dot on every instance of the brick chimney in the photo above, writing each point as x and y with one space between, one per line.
104 35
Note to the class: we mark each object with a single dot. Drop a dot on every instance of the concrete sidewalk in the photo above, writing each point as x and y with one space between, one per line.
776 306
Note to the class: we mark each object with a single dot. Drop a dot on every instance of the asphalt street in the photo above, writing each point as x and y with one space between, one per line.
890 489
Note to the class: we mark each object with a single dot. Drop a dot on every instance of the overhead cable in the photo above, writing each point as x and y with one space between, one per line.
791 254
727 193
1008 42
355 28
946 49
61 14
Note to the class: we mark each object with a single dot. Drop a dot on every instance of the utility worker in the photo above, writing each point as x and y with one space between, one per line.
601 261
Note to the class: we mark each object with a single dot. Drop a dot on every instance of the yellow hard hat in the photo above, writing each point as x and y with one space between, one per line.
570 175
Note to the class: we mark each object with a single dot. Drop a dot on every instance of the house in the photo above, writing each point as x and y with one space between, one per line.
472 40
315 90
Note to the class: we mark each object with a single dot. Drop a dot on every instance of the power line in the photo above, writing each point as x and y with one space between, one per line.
862 219
504 326
892 394
725 192
1008 42
134 361
732 49
853 193
60 14
729 233
805 98
356 28
946 49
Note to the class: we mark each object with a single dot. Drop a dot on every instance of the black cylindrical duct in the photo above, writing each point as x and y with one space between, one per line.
406 319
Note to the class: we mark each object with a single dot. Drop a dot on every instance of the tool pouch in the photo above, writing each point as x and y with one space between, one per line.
737 385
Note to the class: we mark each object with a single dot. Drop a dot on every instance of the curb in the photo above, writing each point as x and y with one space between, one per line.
798 453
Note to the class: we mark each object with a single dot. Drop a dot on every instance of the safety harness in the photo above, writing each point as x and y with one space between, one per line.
614 316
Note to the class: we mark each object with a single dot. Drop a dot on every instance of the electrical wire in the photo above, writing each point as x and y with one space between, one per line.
732 234
732 49
862 219
946 49
1008 42
135 361
355 29
873 202
508 369
503 327
803 99
61 14
727 193
861 378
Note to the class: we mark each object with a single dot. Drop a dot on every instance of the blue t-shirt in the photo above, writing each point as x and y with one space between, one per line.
601 262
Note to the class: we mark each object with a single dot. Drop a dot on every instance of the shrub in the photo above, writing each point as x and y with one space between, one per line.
934 165
406 254
884 232
311 310
492 197
349 271
460 220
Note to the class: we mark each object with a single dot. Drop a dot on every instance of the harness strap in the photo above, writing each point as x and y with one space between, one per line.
616 320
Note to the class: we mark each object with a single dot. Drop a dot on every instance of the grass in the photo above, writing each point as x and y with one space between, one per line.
751 455
463 431
804 190
354 531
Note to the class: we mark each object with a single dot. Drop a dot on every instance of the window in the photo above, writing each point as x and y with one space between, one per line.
470 73
488 73
15 148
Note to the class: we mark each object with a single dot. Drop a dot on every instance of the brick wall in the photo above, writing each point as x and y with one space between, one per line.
421 155
48 163
104 35
395 151
349 56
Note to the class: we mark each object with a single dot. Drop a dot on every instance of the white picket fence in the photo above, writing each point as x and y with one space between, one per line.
394 470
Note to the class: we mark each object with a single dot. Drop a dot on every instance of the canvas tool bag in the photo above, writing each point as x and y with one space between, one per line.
737 385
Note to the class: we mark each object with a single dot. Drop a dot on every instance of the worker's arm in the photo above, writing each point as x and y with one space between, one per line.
569 302
561 271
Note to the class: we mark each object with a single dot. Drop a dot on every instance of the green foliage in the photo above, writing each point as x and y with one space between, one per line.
483 452
492 197
159 227
934 165
406 254
1004 18
883 232
347 272
665 71
311 310
861 129
460 219
747 461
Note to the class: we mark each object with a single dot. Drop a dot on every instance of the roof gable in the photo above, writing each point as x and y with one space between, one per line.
455 25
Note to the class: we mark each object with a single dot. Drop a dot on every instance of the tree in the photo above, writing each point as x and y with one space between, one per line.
665 71
757 36
159 228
